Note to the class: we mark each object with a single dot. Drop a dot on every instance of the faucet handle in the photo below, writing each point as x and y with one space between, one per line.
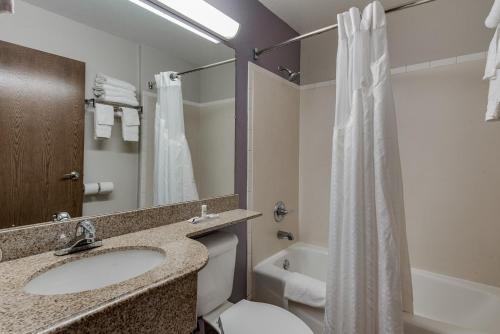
280 211
86 227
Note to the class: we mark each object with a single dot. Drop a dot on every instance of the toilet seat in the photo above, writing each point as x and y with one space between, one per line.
247 317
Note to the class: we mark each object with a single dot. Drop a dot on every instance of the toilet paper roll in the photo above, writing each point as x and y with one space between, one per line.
106 187
91 188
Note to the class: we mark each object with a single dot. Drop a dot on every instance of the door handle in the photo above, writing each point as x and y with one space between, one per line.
73 176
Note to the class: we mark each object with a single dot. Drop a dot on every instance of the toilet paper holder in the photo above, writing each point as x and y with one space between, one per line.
98 188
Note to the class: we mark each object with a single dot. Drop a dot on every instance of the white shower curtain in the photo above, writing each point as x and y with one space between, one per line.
173 169
368 280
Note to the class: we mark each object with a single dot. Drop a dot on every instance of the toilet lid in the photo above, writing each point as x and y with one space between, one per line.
250 317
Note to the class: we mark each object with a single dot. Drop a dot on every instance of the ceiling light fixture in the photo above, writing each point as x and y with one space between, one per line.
206 15
170 17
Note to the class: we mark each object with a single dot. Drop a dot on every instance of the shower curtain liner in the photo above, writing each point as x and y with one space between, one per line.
369 282
173 169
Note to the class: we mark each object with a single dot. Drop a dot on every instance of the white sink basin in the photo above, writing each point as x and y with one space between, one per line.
95 272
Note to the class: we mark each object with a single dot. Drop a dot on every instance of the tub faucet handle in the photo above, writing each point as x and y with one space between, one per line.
280 211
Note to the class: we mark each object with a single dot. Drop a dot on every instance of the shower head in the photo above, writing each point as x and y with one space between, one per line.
292 76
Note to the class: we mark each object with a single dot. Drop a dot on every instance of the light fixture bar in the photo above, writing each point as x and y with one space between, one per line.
170 17
204 15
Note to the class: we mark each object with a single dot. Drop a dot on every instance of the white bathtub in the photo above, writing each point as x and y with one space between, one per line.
443 305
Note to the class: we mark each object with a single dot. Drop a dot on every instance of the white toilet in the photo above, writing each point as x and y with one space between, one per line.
215 284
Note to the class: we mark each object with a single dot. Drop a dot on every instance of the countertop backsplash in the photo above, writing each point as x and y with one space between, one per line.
35 239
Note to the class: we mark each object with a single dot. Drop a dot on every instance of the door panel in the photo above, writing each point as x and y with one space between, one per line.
41 135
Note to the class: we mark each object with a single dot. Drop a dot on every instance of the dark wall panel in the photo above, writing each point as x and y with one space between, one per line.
259 28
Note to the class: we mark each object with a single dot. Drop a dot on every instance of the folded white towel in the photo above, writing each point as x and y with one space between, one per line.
101 89
105 79
119 99
492 73
305 290
7 6
103 120
130 124
493 19
113 94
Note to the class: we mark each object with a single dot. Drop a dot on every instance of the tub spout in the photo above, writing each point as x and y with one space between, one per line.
282 235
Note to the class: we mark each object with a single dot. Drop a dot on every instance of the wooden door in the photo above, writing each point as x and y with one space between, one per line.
41 135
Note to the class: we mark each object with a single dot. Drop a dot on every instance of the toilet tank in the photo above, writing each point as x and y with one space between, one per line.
215 280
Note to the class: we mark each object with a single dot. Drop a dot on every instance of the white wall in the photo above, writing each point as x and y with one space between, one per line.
218 83
109 160
153 61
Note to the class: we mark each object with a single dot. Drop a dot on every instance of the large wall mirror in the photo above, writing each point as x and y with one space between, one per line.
91 120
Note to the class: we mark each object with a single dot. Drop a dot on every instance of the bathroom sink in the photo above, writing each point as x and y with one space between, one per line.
95 272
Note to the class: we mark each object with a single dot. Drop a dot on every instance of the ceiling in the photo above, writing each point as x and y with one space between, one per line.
126 20
307 15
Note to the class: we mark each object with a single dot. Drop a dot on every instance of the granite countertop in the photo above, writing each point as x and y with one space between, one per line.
21 312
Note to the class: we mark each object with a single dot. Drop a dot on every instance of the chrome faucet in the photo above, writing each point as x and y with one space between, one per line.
282 235
60 216
84 239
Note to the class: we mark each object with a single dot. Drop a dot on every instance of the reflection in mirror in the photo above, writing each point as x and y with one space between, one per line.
91 122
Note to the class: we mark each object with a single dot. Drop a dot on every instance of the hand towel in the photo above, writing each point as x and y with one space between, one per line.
305 290
7 6
119 99
105 79
493 19
492 73
130 124
103 120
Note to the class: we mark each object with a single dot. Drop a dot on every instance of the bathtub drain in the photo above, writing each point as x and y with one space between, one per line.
286 264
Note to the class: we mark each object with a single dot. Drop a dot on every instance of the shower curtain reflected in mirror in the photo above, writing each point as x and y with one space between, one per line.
173 168
369 282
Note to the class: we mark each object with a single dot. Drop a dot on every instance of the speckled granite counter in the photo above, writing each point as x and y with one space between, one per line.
71 313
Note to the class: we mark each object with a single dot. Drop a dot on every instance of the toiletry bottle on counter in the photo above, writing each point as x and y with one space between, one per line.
204 210
204 215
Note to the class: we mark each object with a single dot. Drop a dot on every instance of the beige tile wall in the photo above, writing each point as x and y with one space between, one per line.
317 108
451 169
273 159
216 148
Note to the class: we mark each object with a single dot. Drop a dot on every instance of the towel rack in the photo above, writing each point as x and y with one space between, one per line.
92 102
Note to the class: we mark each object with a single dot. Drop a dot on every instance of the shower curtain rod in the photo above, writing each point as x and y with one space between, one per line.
224 62
176 75
258 52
